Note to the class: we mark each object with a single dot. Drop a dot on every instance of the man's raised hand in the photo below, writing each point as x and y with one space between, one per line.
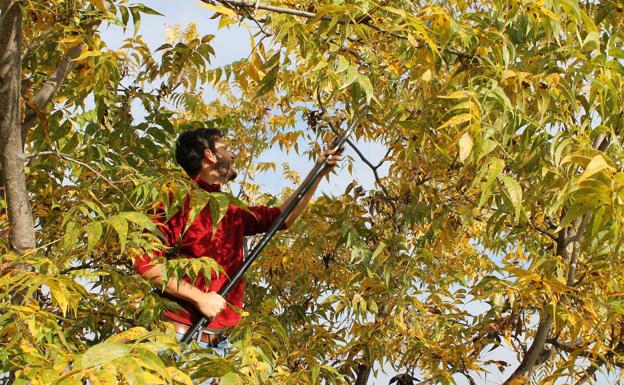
333 156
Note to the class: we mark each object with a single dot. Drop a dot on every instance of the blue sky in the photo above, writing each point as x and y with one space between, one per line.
232 44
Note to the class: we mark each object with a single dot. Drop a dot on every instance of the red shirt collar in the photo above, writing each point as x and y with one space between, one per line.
214 187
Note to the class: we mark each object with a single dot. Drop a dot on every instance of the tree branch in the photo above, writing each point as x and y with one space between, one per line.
363 373
47 91
530 359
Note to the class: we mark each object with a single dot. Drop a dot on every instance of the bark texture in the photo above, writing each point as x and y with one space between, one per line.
22 228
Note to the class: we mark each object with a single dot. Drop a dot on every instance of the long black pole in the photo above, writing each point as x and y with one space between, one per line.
316 173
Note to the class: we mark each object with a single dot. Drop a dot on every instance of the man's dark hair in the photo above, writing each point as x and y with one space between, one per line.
190 147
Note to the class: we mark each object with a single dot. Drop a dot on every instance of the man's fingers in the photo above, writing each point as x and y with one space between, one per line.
333 159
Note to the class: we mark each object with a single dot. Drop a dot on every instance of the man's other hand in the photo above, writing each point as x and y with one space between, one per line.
210 304
333 156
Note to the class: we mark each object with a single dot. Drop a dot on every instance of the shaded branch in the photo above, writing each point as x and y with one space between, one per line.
363 373
49 88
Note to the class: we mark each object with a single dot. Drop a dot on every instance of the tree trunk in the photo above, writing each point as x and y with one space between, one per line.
22 228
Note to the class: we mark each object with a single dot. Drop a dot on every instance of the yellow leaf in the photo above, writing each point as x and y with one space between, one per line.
33 326
71 39
101 377
152 379
87 54
456 120
219 9
457 95
426 77
225 21
482 51
465 146
131 334
99 4
58 289
179 376
412 41
597 164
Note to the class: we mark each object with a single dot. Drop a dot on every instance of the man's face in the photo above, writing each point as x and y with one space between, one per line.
225 162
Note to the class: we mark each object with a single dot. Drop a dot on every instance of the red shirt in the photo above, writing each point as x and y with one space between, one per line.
226 247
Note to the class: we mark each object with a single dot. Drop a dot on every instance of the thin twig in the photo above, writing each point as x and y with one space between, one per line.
372 167
85 165
36 42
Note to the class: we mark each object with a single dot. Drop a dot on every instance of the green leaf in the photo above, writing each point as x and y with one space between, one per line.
199 200
268 81
151 360
93 206
349 77
129 335
72 231
136 19
94 233
457 95
514 192
140 219
367 86
314 374
120 225
103 353
72 380
181 377
230 379
148 10
219 203
132 371
571 7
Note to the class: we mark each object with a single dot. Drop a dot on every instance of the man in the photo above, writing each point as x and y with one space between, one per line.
206 158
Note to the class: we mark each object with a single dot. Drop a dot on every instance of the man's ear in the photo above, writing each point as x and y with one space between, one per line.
209 156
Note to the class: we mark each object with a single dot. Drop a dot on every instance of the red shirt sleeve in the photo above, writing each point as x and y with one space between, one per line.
170 231
264 218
